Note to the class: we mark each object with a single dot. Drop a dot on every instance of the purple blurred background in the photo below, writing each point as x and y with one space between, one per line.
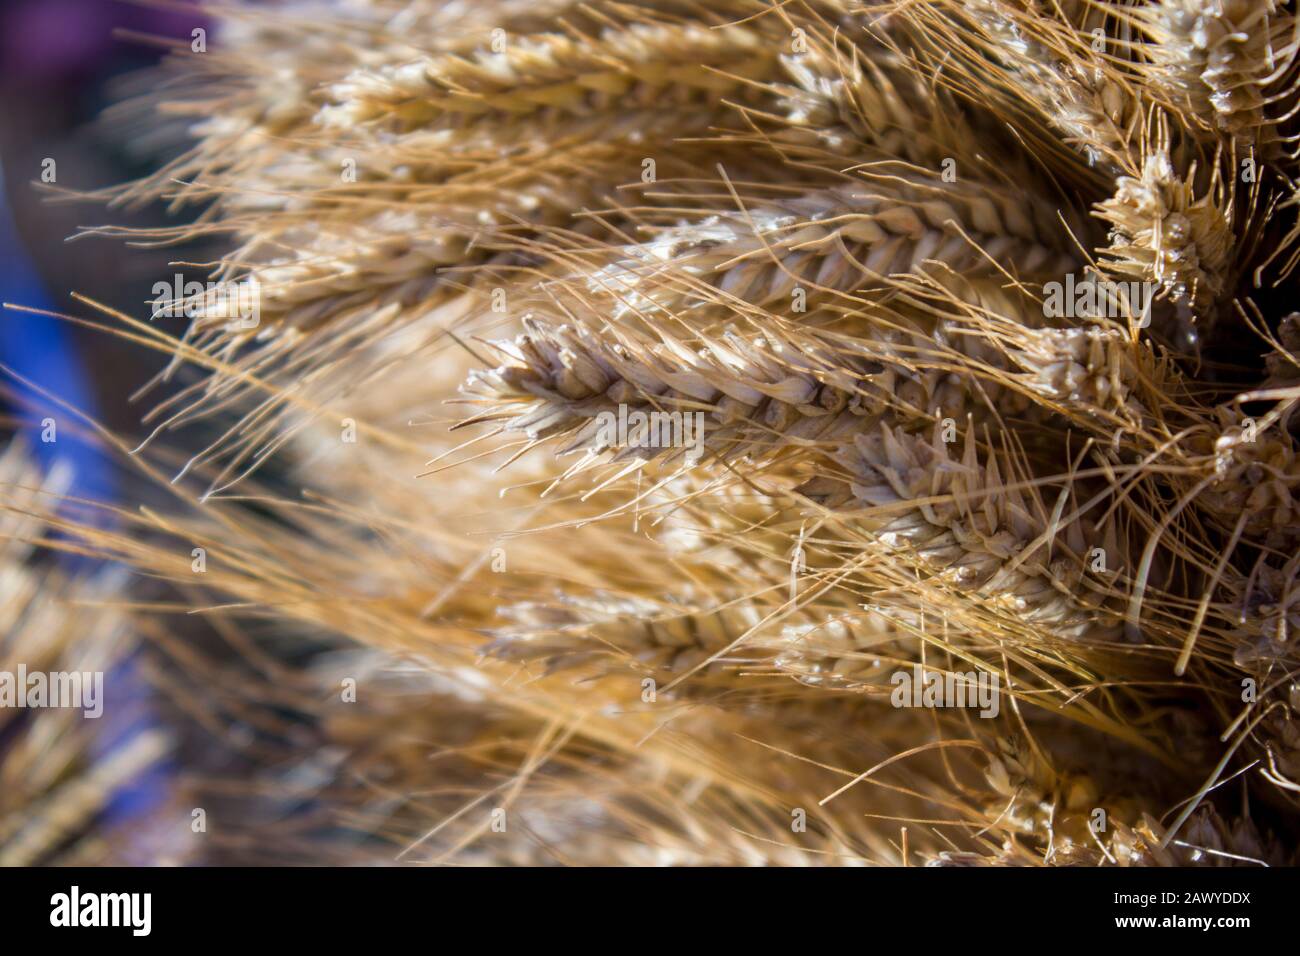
60 62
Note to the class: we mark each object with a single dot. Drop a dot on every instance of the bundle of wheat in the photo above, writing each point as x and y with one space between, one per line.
837 359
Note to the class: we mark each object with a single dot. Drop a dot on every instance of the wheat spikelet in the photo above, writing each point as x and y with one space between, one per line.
1043 67
974 531
845 238
756 395
1223 62
632 67
1164 233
